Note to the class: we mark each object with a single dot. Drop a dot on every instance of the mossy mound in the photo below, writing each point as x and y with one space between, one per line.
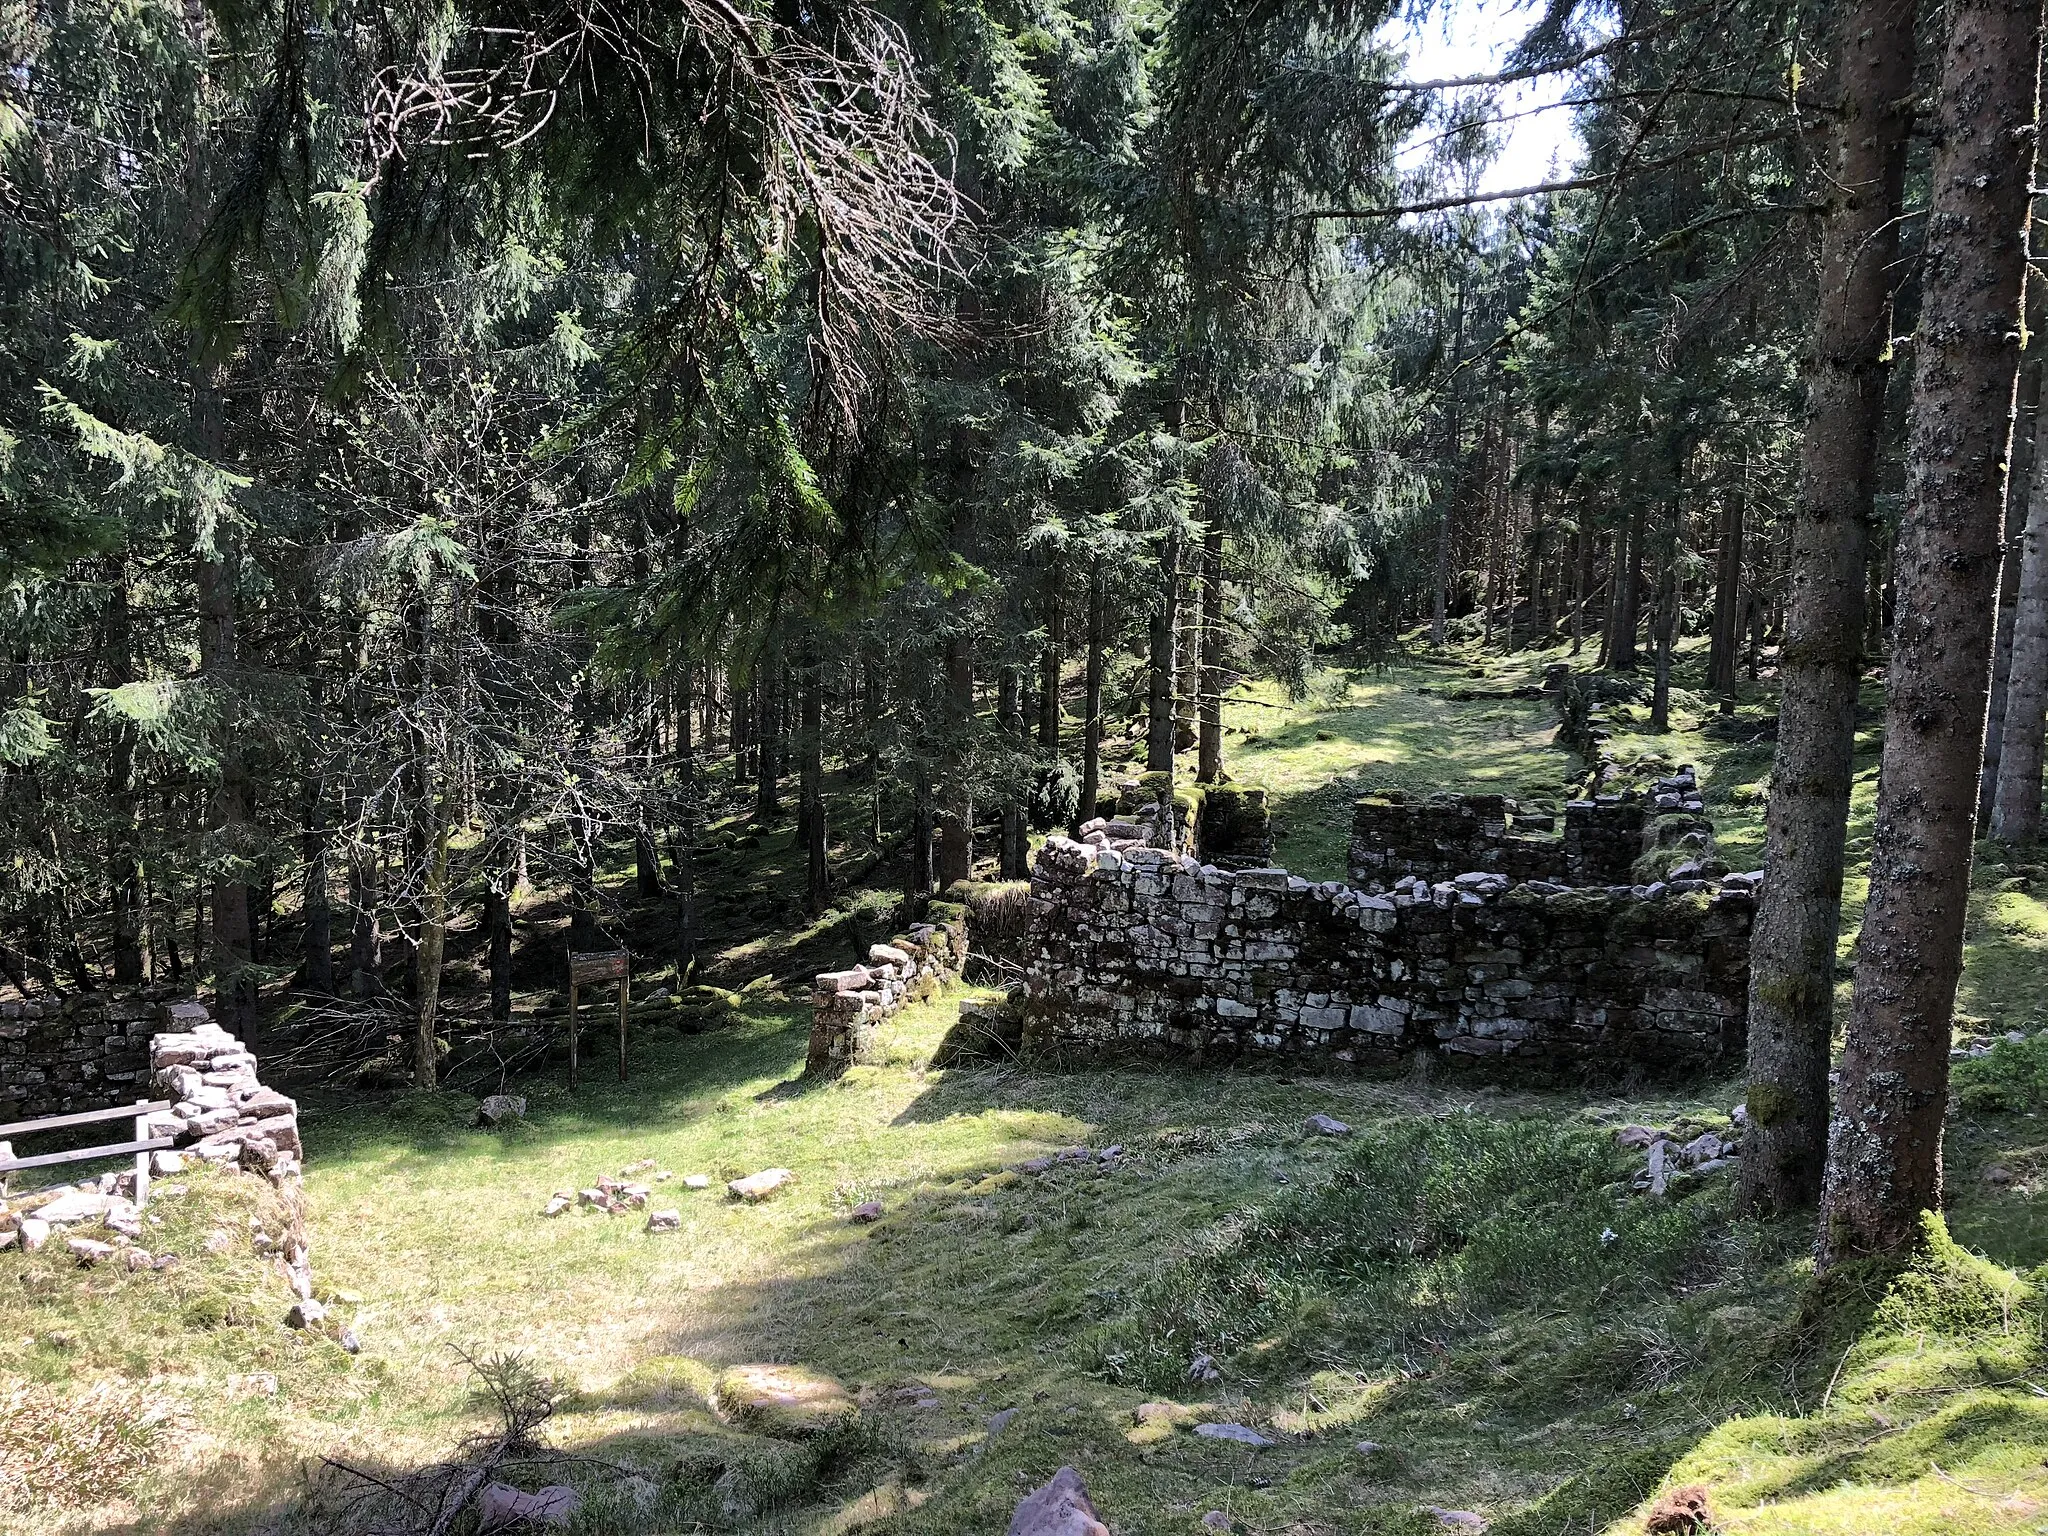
788 1402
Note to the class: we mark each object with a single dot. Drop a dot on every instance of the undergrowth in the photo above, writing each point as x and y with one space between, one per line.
1419 1228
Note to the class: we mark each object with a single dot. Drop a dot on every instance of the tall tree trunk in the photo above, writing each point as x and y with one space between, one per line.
1727 636
956 812
1440 607
124 835
317 941
1209 746
1629 575
1164 634
229 814
2019 501
1050 662
816 835
921 818
2016 809
1091 706
497 919
768 730
1792 950
1884 1150
426 1060
1010 712
1582 587
366 939
1667 623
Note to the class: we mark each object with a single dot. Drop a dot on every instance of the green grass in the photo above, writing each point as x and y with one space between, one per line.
1365 730
1437 1284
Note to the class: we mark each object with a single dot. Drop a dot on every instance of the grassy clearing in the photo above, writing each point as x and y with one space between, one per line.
1438 1285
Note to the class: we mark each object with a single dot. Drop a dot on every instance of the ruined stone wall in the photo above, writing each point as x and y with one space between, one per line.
848 1006
1431 837
95 1050
88 1051
1137 950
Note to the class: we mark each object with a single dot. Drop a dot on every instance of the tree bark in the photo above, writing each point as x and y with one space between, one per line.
768 733
1010 711
1884 1150
317 941
426 1061
1209 745
816 834
1091 705
1164 634
2019 501
921 818
124 837
1050 663
1792 950
956 813
1628 574
1727 636
2016 810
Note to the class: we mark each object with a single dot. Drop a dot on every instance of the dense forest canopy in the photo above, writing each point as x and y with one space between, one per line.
445 447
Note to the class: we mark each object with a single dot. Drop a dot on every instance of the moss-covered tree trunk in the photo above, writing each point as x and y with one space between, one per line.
1792 951
1884 1151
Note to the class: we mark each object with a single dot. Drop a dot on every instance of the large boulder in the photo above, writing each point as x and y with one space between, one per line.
1060 1508
786 1401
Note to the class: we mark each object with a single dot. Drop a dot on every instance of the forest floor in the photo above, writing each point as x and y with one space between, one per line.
1459 1307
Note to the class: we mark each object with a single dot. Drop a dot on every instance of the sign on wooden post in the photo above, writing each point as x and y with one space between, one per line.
594 966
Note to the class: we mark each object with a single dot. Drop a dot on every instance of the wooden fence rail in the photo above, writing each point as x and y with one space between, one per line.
141 1146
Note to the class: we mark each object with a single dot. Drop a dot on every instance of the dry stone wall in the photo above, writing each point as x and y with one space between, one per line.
1394 835
220 1111
88 1051
848 1006
1133 949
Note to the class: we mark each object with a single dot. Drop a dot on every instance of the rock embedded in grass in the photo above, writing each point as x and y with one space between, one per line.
501 1507
665 1221
866 1211
88 1252
759 1186
1060 1508
1238 1434
1455 1519
498 1108
1320 1124
788 1402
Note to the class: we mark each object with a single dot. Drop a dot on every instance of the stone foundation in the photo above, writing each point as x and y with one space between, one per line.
1134 950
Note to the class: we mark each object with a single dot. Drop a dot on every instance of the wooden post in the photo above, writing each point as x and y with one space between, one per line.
142 1158
572 1028
625 1001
